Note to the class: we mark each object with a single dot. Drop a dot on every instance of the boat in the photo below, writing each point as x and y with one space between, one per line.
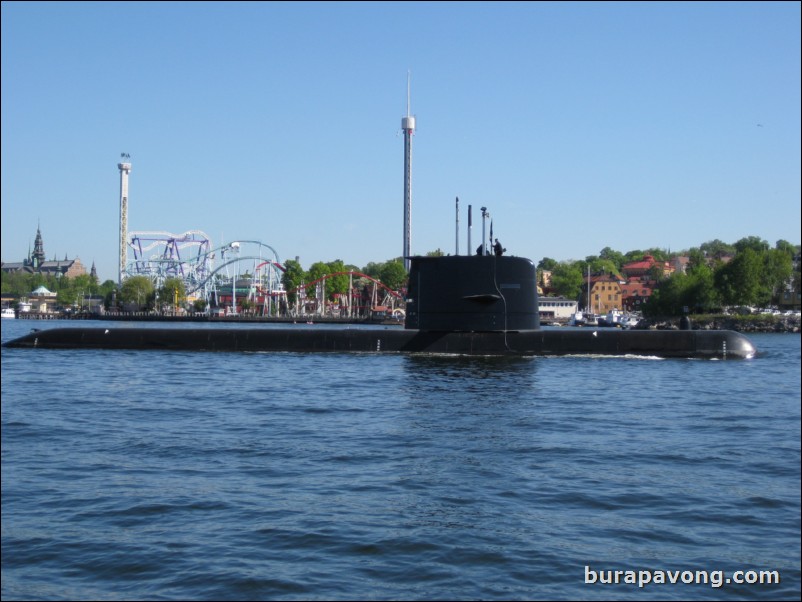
8 313
577 319
613 318
456 305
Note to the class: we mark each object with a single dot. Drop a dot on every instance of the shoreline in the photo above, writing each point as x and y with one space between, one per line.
744 324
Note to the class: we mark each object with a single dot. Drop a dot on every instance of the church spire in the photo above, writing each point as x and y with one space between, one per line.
38 250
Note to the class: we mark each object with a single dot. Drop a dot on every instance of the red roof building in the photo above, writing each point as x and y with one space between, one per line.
643 268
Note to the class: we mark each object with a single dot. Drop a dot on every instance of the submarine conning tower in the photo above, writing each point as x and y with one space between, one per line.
472 293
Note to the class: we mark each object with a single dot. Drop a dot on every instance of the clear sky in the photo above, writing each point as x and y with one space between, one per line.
578 125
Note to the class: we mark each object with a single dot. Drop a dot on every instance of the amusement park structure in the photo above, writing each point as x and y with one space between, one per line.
249 273
247 269
373 299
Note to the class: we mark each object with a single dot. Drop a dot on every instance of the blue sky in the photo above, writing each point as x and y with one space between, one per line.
578 125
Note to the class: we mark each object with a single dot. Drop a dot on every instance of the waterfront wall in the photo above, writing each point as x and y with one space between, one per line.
759 323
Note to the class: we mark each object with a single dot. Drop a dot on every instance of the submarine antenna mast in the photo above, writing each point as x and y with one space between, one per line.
125 168
457 229
408 125
470 225
485 215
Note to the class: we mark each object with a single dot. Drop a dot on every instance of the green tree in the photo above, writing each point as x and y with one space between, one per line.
716 247
137 289
669 299
547 263
173 292
293 276
107 289
786 247
631 256
567 279
616 258
337 284
777 270
373 270
738 282
393 275
701 294
658 254
755 243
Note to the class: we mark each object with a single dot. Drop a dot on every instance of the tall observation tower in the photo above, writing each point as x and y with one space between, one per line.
125 169
408 125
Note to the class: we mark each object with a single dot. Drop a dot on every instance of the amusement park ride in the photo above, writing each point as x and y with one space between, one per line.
241 270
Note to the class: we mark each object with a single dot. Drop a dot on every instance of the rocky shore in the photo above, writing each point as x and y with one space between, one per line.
759 323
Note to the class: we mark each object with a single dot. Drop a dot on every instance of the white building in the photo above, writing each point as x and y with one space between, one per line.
557 308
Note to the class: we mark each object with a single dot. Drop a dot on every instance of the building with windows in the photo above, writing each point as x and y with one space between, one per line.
605 293
556 308
36 263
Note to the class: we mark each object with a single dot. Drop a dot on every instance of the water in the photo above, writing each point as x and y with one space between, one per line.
223 476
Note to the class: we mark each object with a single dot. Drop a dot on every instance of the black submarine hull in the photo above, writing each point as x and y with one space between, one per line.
720 344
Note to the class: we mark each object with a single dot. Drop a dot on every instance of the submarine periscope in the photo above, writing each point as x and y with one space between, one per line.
461 304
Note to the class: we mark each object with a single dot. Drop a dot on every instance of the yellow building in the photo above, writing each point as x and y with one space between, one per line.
605 294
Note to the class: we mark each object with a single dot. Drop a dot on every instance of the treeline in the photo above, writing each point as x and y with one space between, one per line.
756 275
69 291
391 273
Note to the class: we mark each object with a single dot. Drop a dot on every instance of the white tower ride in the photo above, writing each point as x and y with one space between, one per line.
125 169
408 125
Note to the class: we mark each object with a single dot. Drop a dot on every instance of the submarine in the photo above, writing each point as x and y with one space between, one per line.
458 304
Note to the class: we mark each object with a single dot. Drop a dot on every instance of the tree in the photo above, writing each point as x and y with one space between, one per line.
603 266
701 295
567 279
715 248
670 298
631 256
738 282
777 270
547 263
137 289
751 242
373 269
616 258
173 292
337 285
786 247
696 258
293 276
393 275
658 254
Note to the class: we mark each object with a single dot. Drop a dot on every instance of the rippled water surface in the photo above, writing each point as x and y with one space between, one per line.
222 476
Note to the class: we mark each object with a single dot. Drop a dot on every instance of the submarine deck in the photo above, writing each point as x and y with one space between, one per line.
720 344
